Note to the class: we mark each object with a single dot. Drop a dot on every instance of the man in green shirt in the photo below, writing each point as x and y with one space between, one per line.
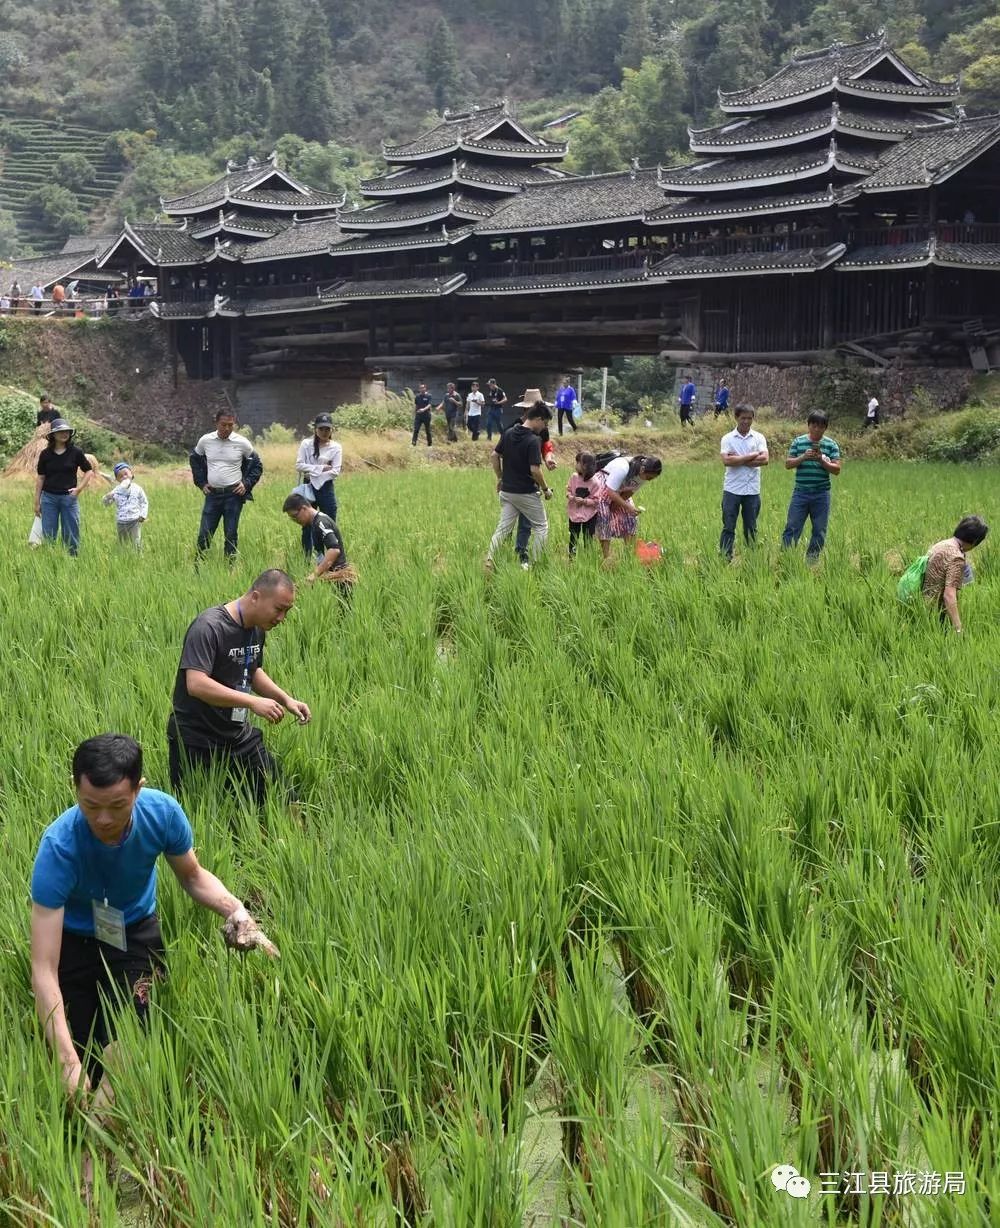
815 458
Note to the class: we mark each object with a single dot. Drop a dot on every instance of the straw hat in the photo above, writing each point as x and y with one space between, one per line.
531 398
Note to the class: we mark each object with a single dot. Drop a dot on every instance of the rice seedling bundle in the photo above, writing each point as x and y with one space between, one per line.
608 892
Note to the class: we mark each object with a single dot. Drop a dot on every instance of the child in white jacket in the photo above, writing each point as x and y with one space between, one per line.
131 505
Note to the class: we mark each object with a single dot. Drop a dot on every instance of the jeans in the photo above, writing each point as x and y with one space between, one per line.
226 508
686 415
569 418
454 419
512 506
61 512
494 422
326 501
732 505
422 418
523 537
473 424
130 533
816 505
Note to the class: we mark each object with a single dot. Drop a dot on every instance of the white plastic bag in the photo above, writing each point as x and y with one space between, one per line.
306 491
35 536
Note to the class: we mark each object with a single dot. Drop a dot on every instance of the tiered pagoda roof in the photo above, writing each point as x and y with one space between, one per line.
868 70
258 185
456 172
490 130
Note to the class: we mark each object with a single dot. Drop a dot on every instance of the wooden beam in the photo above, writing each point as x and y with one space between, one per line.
595 328
413 360
355 336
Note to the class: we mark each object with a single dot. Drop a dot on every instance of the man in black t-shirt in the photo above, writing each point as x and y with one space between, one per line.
327 543
220 682
517 463
496 399
47 412
422 413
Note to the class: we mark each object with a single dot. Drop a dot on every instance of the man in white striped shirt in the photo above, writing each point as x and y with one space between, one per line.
131 505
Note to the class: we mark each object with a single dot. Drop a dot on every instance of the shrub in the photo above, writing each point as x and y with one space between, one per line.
17 421
971 435
395 413
277 432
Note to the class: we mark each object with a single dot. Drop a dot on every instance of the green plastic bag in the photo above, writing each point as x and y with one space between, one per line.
911 582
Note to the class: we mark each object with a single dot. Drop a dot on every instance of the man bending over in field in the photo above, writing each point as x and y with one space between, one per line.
220 682
94 928
327 543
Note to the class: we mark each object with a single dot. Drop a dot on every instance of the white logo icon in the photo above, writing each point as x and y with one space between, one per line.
786 1177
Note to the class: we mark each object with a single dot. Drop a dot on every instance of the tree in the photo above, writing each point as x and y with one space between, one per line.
10 243
58 207
976 55
73 171
442 56
308 105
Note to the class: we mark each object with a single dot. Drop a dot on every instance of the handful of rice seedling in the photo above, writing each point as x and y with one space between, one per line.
242 933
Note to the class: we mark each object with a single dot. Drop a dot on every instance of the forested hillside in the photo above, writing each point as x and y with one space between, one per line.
187 83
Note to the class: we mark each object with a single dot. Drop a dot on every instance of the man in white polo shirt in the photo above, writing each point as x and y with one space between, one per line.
225 466
744 453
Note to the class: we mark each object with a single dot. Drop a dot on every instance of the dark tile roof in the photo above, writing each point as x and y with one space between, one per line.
691 208
218 189
735 170
577 202
236 221
311 237
301 201
817 70
807 259
228 249
470 130
460 170
886 255
161 244
395 241
549 283
415 287
282 306
87 243
540 151
781 127
968 255
933 153
416 211
46 269
928 89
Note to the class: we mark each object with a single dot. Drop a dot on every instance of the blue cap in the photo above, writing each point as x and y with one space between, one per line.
119 466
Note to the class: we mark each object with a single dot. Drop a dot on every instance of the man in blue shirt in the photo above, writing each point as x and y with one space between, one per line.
722 398
686 399
94 928
565 400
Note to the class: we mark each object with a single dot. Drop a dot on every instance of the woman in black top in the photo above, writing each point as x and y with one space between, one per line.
57 487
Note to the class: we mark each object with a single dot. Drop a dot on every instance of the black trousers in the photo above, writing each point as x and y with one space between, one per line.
568 413
247 764
585 530
95 977
422 418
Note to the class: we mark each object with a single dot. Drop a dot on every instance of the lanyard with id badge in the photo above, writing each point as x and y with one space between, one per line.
239 715
109 922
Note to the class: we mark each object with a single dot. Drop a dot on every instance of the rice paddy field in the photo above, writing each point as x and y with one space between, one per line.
610 890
